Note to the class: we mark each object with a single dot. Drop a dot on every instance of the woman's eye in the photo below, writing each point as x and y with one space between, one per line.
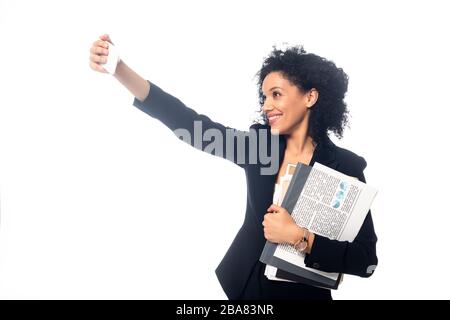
275 93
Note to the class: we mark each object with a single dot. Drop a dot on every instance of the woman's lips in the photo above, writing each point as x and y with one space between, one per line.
273 118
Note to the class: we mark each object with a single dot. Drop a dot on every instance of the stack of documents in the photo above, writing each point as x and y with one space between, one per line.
326 202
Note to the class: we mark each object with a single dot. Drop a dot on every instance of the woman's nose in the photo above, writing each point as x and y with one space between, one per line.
266 108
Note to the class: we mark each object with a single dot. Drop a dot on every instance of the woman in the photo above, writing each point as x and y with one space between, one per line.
302 99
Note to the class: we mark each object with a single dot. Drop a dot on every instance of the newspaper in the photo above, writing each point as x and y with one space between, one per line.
330 204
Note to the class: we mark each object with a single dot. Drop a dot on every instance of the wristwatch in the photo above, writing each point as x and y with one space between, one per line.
302 243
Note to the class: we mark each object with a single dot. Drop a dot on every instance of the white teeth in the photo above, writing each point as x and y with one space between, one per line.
274 117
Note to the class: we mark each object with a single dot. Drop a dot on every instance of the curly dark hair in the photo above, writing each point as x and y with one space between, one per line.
307 71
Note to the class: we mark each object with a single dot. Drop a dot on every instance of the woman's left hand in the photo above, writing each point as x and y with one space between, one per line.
279 226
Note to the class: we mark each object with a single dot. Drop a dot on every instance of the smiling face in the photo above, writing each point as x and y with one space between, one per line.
286 106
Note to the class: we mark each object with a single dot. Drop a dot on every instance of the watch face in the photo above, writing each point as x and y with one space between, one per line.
302 246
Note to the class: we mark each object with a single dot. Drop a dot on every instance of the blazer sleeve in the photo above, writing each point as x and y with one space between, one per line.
195 129
357 258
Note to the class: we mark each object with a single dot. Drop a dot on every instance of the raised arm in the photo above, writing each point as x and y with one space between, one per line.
196 129
137 85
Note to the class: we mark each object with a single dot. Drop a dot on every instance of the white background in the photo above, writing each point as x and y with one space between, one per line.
88 182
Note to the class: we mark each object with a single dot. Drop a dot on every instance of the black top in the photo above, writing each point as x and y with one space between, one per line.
239 272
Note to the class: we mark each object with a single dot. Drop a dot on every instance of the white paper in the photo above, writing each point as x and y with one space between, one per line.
331 204
271 271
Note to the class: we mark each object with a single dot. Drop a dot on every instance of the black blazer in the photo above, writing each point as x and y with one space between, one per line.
357 258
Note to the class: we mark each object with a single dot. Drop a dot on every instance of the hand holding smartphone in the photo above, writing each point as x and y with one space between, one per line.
112 59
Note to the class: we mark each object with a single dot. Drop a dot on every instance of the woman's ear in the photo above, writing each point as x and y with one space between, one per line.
312 97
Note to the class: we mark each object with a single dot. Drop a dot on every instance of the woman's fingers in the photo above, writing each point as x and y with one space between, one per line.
100 43
99 53
105 37
98 59
274 207
96 67
99 50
